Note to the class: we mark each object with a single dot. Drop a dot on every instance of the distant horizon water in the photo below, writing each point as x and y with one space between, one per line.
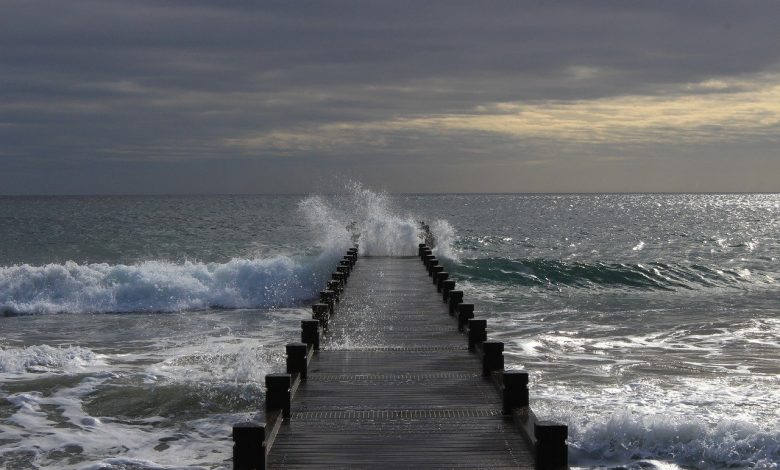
392 193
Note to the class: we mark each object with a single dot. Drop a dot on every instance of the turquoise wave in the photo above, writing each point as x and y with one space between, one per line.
652 275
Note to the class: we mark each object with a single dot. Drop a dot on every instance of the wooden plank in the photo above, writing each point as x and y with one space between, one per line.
394 385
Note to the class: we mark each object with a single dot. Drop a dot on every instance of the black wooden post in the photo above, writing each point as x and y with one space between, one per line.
346 264
296 359
310 333
455 297
321 314
249 446
446 287
344 272
440 278
333 286
337 276
428 259
277 394
349 260
435 270
431 263
420 249
492 357
477 332
552 453
426 252
327 298
465 313
515 390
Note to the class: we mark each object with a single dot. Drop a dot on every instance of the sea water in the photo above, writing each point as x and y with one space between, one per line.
136 330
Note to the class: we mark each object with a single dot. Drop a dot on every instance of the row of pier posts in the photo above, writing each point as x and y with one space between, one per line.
252 440
547 439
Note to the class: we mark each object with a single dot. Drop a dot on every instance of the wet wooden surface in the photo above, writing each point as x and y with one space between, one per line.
394 385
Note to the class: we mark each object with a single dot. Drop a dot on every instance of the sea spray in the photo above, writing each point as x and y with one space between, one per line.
382 229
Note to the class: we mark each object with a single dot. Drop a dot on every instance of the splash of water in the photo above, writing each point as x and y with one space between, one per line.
384 231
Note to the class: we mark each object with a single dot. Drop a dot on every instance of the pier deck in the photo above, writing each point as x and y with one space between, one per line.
394 385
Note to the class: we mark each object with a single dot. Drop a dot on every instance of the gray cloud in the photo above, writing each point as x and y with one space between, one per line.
161 96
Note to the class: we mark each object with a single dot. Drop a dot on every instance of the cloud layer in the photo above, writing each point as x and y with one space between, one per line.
238 96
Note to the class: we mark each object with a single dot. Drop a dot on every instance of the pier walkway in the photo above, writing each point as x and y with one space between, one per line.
393 384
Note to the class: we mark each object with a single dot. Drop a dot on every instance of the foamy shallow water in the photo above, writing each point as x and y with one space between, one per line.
162 391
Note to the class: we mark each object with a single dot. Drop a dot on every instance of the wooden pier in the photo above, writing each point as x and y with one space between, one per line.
389 375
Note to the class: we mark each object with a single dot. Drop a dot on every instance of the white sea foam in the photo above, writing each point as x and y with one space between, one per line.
29 431
217 363
45 358
158 285
691 423
624 437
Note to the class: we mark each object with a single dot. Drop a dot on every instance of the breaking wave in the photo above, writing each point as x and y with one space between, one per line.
281 281
625 438
654 275
159 286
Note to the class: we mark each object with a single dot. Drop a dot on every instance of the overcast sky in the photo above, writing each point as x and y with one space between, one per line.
219 96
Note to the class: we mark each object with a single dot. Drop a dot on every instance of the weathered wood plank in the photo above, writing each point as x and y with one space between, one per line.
394 385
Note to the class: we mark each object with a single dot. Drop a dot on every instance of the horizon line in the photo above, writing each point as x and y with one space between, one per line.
410 193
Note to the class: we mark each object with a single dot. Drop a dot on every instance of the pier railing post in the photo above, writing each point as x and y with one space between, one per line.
344 272
337 276
435 271
431 263
333 286
447 286
465 313
455 297
277 394
440 278
346 265
310 333
515 390
420 248
296 359
320 313
249 446
327 297
552 453
477 332
492 358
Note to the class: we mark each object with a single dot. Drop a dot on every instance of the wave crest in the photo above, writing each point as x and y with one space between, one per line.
625 437
531 272
157 286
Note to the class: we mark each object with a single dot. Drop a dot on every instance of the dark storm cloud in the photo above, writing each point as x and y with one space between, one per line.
125 91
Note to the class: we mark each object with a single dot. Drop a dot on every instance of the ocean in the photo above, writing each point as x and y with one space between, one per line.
134 331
